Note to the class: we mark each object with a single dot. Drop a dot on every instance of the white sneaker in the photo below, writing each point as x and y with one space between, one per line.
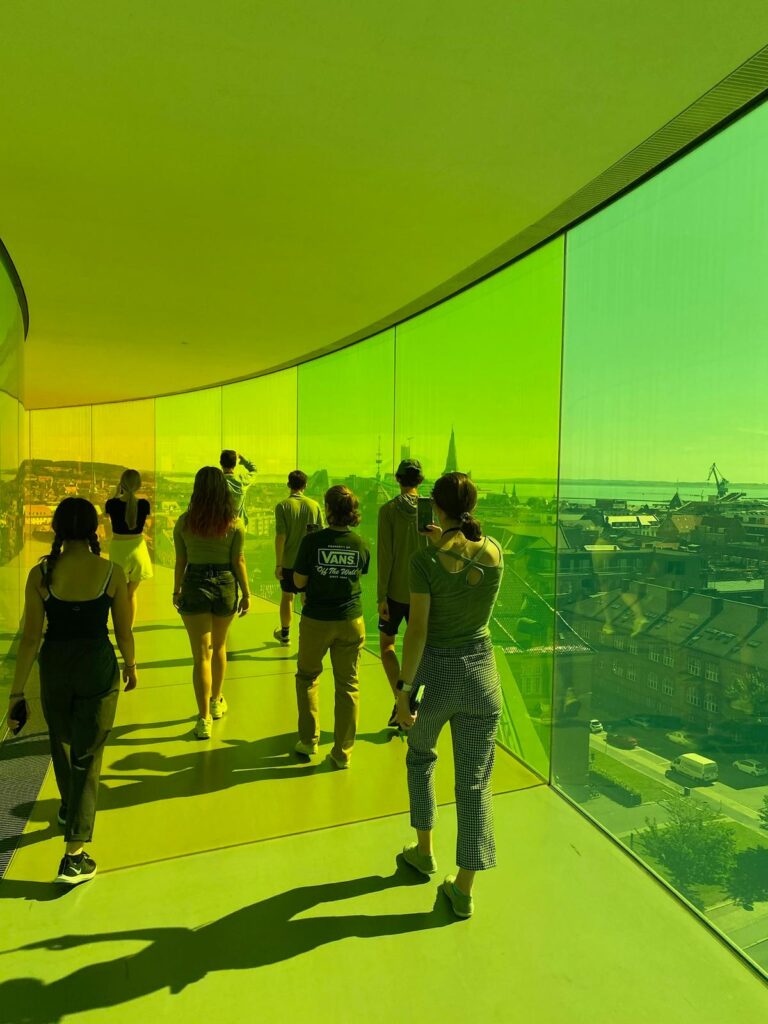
218 707
307 749
203 729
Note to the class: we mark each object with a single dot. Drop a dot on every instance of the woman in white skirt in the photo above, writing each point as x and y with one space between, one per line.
128 514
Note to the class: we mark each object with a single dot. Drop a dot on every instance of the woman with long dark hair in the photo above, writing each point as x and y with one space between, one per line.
210 565
74 589
128 514
448 657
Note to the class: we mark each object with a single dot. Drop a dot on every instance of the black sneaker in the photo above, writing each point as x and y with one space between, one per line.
74 870
61 817
392 723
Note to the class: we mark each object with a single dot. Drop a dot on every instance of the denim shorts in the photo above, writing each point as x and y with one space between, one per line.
208 588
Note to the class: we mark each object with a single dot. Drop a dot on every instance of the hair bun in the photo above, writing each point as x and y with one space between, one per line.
465 517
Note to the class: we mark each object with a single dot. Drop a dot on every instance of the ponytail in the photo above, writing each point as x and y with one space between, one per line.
471 527
129 484
50 560
93 543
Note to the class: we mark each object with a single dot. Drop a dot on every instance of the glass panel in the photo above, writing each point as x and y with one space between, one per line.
346 418
662 561
187 436
124 438
499 423
11 504
61 465
259 421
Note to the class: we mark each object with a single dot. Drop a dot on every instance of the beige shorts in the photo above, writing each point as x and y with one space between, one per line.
130 552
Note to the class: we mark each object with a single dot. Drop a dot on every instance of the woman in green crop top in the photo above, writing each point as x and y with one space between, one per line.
210 565
448 659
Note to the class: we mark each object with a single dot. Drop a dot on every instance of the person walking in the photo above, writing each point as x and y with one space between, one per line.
397 540
329 565
210 565
128 514
295 517
448 656
74 590
238 473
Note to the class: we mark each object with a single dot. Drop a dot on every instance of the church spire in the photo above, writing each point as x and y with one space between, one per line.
451 462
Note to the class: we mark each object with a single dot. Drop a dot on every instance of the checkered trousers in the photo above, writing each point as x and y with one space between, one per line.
461 686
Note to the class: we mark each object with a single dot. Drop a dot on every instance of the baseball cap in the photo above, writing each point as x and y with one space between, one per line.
407 464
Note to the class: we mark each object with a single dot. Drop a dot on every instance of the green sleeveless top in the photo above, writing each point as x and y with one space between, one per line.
459 611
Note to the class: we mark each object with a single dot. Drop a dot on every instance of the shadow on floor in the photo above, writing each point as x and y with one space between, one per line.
173 958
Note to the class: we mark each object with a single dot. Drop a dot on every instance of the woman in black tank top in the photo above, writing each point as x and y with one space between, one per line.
73 590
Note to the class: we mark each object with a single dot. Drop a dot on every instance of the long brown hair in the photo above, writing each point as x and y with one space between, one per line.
211 509
456 495
130 482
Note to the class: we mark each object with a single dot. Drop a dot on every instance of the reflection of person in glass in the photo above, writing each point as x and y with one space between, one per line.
448 652
295 517
397 540
74 589
238 473
329 565
210 565
128 514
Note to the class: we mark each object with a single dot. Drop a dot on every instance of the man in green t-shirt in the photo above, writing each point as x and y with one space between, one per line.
328 566
295 517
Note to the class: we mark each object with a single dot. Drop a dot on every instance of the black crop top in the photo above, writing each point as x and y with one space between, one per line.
78 620
115 509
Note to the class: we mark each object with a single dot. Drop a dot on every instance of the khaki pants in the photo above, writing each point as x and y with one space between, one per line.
344 639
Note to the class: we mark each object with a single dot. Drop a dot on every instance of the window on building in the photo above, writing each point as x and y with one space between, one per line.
712 672
669 658
667 688
653 680
631 673
633 647
694 697
694 666
618 642
654 654
710 703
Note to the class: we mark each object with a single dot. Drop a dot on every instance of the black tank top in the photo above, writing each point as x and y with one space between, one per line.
78 620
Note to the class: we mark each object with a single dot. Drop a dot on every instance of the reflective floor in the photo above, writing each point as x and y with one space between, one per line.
232 856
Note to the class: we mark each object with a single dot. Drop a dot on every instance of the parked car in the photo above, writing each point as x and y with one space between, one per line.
696 767
618 739
644 721
595 725
750 766
683 738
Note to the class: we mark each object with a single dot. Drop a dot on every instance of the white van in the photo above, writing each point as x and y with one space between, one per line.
696 767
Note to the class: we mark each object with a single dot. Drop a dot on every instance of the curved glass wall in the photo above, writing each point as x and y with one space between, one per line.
631 629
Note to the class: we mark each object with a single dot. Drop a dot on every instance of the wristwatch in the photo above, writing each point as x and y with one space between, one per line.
403 686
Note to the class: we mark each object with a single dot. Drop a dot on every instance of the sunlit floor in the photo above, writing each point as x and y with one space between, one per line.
232 856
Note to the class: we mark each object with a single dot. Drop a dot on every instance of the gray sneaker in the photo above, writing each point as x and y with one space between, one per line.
425 863
463 905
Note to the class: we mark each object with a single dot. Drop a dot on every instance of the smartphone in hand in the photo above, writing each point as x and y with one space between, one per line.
423 514
19 714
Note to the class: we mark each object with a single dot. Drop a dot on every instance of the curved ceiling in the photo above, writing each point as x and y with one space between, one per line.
193 193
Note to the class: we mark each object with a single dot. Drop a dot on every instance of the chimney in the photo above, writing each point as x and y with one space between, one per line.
674 597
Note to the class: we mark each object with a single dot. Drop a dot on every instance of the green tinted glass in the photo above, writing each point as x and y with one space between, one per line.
478 390
259 422
662 730
346 419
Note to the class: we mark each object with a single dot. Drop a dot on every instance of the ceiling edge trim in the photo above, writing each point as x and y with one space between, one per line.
21 296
